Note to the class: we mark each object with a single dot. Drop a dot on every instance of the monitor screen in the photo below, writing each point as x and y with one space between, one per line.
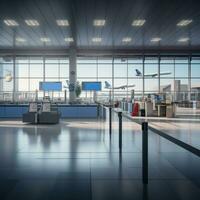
51 86
91 86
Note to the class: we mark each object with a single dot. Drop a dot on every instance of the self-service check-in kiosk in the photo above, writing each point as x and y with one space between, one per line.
32 115
46 113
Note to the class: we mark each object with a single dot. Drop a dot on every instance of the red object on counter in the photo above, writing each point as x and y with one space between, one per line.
117 104
135 109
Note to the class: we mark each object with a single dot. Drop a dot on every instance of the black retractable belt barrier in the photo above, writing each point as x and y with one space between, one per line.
120 130
145 152
110 120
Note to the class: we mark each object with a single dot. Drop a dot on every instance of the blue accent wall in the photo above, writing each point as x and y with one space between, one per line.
67 111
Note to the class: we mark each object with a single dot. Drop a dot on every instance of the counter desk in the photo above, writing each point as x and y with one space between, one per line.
66 110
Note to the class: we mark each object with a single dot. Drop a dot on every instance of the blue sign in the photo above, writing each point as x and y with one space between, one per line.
50 86
91 86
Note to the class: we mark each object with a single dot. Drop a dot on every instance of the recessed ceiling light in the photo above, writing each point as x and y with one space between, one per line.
62 22
45 39
19 39
138 22
96 39
99 22
126 39
156 39
32 22
10 22
69 39
184 22
184 39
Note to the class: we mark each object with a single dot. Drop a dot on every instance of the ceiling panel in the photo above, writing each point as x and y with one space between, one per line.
161 19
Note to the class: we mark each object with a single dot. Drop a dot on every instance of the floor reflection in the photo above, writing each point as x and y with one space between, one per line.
79 156
45 136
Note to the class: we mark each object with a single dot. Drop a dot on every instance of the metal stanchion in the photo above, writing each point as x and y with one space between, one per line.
98 110
120 130
110 120
145 152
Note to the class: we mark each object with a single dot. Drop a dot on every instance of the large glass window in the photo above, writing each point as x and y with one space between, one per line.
6 74
133 65
29 71
36 70
173 77
167 68
195 67
86 68
6 78
181 70
104 68
151 74
56 68
167 72
120 68
174 74
27 68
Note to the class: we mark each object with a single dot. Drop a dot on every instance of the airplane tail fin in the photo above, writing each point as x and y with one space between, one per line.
107 85
67 81
138 72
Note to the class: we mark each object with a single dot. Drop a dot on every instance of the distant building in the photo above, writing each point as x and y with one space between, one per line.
195 95
178 90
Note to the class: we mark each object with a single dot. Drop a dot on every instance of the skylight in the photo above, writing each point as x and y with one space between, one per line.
138 22
156 39
32 22
99 22
10 22
45 39
20 39
96 39
126 39
184 22
184 39
62 22
69 39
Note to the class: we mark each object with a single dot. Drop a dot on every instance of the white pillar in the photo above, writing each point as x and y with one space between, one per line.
72 74
189 79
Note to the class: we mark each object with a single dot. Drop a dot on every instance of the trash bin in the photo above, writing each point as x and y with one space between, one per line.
142 112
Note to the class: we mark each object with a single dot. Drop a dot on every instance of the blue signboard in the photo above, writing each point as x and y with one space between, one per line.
91 86
50 86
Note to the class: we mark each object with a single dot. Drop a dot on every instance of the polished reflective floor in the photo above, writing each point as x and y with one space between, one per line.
184 131
78 160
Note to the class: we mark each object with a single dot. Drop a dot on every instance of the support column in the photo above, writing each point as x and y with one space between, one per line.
159 74
44 70
189 78
14 79
113 82
1 75
72 74
143 71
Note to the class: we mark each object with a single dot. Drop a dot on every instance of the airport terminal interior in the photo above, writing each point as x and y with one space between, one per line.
99 99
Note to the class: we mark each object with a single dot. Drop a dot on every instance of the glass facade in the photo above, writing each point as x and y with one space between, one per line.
174 75
27 72
178 76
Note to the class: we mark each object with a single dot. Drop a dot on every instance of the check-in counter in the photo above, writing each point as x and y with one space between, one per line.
13 110
130 107
66 110
171 110
161 110
149 109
